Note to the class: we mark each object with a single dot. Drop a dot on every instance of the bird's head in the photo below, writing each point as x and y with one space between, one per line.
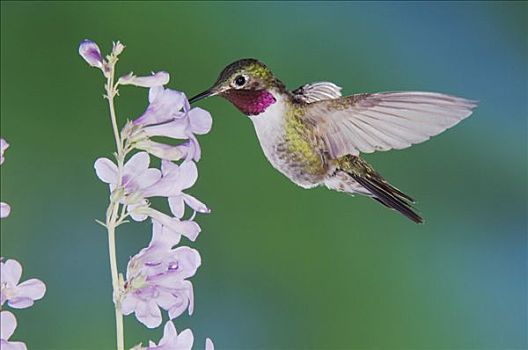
248 84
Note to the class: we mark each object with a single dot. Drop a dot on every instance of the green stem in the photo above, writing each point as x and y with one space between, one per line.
115 278
112 219
111 92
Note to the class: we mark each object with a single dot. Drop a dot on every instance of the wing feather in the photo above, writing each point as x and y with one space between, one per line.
366 123
318 91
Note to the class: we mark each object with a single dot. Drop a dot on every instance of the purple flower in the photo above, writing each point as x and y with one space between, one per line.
136 179
156 278
91 53
185 126
18 296
156 79
171 340
3 146
164 104
187 228
136 137
169 115
174 180
136 175
190 121
8 325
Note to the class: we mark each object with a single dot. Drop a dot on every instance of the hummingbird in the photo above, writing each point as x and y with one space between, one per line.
315 136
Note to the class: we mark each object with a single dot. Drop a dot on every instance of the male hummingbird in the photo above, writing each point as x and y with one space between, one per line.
314 136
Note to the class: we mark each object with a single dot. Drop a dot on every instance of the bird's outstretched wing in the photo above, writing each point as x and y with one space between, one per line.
365 123
318 91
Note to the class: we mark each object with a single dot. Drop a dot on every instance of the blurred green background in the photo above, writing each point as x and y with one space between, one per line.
283 267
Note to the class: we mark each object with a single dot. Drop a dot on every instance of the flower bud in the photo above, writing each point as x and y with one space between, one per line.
117 48
91 53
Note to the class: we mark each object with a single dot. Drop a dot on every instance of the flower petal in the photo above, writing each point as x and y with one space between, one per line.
8 325
189 229
170 336
163 105
191 299
33 289
163 237
148 178
195 204
11 272
106 170
148 313
129 303
5 210
12 345
137 164
20 303
162 150
185 296
180 306
3 146
201 121
154 92
170 169
168 185
177 206
185 340
157 215
166 300
176 129
186 105
209 344
188 174
189 261
195 152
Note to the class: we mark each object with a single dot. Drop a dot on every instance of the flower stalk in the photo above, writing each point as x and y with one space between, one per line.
156 277
113 217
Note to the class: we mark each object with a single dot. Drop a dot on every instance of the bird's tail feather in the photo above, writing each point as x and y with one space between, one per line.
379 189
389 196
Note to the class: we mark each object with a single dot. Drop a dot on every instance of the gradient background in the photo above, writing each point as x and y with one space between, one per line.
283 268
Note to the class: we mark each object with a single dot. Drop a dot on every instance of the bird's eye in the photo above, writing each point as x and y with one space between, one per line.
240 80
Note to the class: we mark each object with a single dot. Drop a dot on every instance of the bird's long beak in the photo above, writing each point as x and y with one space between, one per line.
202 95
